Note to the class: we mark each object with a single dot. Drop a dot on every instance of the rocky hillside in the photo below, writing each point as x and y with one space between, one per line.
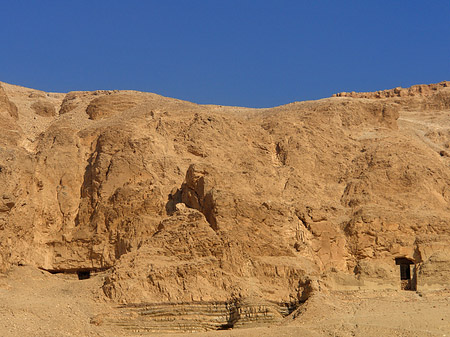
186 204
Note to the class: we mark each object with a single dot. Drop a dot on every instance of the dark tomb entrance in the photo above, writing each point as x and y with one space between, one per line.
407 282
84 274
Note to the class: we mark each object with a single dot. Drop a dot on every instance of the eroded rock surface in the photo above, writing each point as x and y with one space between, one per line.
187 203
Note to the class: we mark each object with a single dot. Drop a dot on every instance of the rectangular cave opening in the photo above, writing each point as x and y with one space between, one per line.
405 272
408 280
84 274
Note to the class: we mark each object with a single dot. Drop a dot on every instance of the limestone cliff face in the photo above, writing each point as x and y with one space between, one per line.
189 203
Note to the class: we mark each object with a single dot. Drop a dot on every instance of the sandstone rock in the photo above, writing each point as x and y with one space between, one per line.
6 105
104 106
69 103
415 90
191 205
43 108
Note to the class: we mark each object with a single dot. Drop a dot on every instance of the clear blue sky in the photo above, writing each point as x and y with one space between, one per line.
256 53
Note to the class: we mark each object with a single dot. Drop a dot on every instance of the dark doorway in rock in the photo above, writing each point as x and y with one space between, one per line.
408 280
84 274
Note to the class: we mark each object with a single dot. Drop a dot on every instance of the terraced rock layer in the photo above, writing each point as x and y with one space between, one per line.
199 316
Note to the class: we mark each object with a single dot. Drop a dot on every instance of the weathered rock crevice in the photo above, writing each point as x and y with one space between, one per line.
281 153
197 192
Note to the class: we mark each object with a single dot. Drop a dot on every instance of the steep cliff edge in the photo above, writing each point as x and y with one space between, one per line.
187 203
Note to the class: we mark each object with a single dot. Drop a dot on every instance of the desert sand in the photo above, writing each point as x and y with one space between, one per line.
36 303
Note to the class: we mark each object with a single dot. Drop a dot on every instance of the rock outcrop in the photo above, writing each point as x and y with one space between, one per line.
6 105
44 108
192 206
422 96
419 90
198 316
